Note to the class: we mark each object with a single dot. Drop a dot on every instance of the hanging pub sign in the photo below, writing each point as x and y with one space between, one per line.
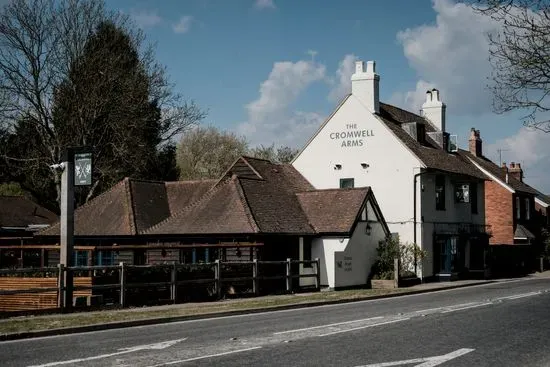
83 169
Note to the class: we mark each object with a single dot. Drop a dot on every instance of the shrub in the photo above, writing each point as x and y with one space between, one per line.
390 248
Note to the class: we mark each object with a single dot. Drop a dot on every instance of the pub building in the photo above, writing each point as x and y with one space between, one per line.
256 210
429 193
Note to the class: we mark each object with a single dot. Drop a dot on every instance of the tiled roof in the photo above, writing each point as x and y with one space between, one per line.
521 233
333 210
429 153
18 211
273 200
221 210
499 173
254 196
132 206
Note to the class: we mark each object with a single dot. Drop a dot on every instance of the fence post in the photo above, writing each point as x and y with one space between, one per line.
396 272
541 264
60 286
317 273
255 280
173 281
122 285
288 276
218 280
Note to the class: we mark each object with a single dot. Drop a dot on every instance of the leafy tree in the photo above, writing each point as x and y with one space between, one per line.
519 55
282 154
206 152
72 73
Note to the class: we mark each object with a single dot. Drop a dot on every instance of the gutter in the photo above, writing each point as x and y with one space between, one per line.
414 217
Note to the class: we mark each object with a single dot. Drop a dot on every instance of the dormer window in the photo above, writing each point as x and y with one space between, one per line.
421 133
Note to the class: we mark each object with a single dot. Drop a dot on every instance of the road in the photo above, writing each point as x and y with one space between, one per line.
498 324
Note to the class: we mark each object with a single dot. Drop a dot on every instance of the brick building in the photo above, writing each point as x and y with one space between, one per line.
512 208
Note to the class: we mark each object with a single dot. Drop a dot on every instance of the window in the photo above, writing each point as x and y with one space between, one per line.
186 256
518 209
105 258
347 183
462 193
527 209
307 252
81 258
440 192
473 197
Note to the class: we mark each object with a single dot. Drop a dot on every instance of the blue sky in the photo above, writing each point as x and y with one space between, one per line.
274 69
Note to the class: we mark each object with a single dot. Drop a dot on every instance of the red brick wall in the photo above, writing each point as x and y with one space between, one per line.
499 213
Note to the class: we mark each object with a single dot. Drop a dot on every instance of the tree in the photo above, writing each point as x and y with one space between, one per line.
64 80
282 154
520 57
206 152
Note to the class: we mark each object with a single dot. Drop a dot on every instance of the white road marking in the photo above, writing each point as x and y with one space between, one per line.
468 307
204 357
72 335
516 296
328 325
156 346
430 309
424 362
364 327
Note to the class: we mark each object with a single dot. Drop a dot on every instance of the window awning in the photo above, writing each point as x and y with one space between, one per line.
523 233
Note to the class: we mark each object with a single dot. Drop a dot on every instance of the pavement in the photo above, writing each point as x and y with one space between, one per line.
181 308
502 323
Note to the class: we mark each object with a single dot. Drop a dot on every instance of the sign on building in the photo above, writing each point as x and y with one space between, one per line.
83 169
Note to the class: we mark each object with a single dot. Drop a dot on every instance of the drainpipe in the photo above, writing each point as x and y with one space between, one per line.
414 215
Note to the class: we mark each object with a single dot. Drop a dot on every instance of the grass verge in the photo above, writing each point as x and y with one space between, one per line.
47 322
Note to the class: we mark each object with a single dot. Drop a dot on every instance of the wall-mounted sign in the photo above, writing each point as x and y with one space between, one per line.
83 169
348 261
351 136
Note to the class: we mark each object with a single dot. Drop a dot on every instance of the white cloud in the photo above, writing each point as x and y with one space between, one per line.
264 4
146 18
531 148
342 85
184 24
452 55
270 118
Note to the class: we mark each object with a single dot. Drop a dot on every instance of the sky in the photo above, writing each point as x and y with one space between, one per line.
273 70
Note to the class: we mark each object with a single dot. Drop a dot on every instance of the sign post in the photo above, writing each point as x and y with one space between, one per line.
76 170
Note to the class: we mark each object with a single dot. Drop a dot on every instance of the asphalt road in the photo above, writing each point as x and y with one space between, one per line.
499 324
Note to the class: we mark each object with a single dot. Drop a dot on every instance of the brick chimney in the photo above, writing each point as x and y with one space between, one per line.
365 85
516 171
505 169
475 143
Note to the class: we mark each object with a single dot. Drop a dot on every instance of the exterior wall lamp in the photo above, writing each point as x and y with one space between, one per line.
337 166
365 165
368 229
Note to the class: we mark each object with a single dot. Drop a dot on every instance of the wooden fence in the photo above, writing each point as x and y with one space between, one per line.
128 284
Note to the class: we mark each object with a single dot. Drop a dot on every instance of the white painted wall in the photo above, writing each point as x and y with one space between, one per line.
304 269
347 262
390 173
